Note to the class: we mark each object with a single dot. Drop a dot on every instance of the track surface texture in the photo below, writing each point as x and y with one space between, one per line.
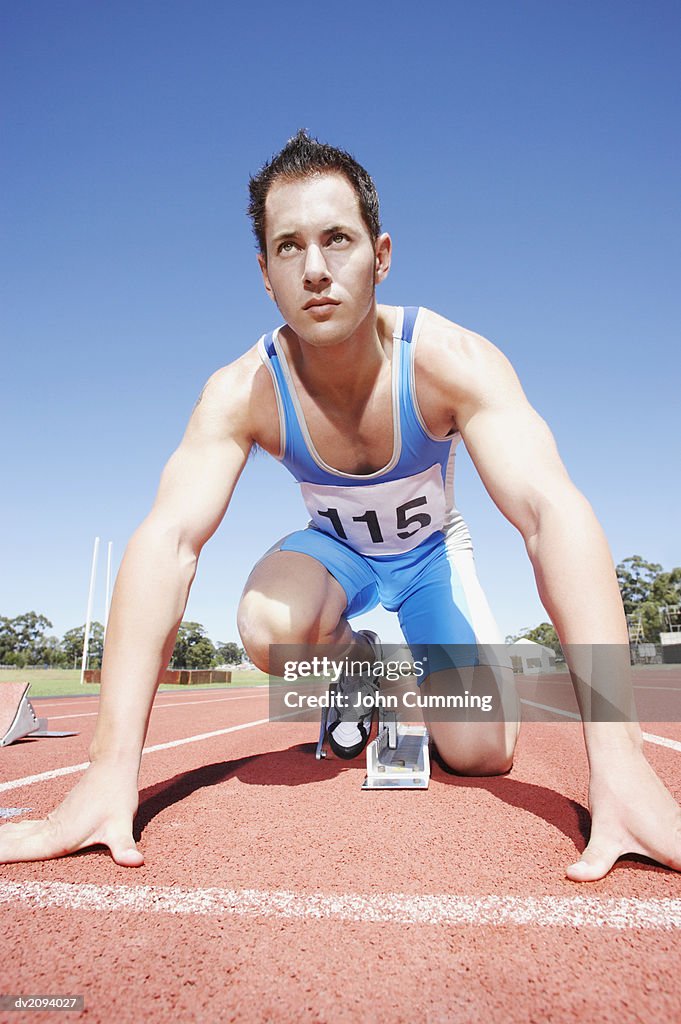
274 889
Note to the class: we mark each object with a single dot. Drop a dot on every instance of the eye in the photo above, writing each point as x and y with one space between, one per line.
286 246
338 237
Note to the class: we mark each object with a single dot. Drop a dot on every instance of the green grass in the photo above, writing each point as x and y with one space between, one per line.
56 682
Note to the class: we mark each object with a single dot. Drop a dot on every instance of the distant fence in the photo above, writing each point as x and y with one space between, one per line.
178 677
645 654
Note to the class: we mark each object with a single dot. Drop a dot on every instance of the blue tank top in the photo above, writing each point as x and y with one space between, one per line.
393 509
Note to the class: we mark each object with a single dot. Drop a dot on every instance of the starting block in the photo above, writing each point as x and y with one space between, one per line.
320 751
398 758
17 717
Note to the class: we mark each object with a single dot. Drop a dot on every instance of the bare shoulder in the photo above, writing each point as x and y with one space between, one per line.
456 369
450 345
236 399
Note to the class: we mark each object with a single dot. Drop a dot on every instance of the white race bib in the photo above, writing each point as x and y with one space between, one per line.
380 519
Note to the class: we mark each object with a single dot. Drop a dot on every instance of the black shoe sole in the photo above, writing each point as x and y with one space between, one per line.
347 753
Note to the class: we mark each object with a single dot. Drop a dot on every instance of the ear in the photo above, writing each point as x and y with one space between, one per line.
383 249
265 276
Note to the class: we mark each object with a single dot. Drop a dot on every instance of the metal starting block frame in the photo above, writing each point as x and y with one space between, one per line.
398 758
22 720
320 751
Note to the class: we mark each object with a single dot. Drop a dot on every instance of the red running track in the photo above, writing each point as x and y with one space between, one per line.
275 890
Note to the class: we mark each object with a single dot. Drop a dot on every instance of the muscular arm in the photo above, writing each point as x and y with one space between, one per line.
148 603
517 459
160 563
518 462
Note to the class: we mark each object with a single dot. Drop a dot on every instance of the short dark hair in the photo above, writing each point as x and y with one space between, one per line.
302 157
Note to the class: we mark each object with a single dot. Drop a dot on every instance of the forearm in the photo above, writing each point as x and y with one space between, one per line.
148 603
578 587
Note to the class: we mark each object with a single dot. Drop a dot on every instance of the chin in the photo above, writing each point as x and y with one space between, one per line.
326 333
319 337
322 333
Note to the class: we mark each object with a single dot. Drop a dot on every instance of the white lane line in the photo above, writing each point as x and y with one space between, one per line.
55 773
28 780
47 702
208 735
649 737
391 908
673 689
546 707
661 741
567 683
177 704
244 694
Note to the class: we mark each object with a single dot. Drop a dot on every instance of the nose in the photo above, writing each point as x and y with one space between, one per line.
316 271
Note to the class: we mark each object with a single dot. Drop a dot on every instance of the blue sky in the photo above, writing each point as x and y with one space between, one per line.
527 158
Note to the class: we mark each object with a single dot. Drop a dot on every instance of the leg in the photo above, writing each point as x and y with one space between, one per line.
466 744
291 598
302 592
448 608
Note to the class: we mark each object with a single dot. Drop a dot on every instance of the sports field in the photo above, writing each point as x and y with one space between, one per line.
66 682
274 889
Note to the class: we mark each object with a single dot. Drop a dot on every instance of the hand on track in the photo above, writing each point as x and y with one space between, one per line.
631 812
98 810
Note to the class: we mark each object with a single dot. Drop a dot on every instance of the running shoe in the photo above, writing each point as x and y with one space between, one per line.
349 724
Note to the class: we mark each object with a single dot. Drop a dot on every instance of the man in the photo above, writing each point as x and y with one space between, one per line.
363 403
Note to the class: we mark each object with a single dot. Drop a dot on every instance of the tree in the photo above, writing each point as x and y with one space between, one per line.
544 634
72 646
7 639
666 588
229 653
23 641
645 589
193 649
636 577
54 654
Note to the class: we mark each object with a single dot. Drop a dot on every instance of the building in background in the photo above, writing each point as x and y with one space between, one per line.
528 657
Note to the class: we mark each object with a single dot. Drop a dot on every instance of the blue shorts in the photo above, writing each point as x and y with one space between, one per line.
434 589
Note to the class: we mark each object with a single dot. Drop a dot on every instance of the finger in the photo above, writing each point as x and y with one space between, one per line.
17 827
595 863
124 850
28 840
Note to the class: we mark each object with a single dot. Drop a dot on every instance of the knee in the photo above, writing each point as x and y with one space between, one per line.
259 626
471 755
479 763
262 623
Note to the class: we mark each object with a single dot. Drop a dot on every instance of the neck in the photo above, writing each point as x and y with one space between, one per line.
350 366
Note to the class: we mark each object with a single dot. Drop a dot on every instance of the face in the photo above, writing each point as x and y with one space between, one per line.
322 263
